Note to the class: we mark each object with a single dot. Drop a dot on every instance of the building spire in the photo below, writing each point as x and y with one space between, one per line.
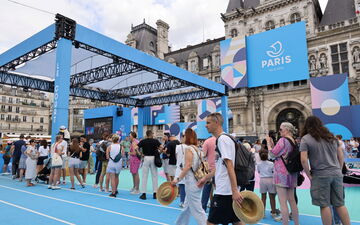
234 4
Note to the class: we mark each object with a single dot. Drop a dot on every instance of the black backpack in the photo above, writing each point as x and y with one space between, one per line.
244 163
293 164
101 151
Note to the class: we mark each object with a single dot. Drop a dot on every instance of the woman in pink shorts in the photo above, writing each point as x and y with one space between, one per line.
135 162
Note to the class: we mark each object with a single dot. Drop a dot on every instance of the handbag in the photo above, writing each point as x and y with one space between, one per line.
138 154
202 170
157 159
56 160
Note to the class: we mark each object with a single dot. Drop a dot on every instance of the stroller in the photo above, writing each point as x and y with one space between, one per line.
44 174
350 177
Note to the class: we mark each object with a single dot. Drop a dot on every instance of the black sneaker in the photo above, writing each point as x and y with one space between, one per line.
154 195
143 196
116 192
112 195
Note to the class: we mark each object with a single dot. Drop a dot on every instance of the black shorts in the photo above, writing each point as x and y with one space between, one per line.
6 159
41 160
221 211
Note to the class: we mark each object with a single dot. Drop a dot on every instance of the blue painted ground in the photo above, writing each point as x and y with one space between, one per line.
20 205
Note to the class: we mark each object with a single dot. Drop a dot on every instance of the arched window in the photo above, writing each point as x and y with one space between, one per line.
269 25
234 33
295 17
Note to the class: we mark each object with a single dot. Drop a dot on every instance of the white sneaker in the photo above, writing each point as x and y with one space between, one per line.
135 192
276 217
181 205
132 189
49 187
56 188
95 186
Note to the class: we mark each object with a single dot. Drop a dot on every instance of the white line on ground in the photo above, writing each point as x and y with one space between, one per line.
83 205
123 199
39 213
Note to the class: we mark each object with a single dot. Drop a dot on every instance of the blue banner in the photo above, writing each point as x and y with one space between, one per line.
277 56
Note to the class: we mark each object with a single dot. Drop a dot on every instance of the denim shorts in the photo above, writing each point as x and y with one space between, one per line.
327 191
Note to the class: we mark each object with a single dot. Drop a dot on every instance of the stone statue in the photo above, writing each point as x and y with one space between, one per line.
312 63
323 61
356 55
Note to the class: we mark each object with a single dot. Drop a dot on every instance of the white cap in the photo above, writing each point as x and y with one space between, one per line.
62 127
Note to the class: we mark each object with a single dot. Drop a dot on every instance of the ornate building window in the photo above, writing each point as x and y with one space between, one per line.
205 63
295 17
269 25
192 66
251 31
192 118
339 58
234 33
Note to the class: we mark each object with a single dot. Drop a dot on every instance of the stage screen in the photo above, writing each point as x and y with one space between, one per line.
95 128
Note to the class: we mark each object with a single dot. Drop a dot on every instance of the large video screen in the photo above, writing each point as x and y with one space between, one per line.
95 128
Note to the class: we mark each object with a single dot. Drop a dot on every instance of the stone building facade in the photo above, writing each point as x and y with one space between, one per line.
24 111
333 39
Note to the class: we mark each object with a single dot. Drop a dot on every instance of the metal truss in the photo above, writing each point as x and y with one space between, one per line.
102 96
152 87
139 66
48 86
26 82
29 56
104 72
188 96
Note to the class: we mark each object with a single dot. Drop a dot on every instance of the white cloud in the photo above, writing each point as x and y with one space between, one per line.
114 18
190 21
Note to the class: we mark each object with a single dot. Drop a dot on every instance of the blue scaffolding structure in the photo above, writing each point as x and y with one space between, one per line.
77 61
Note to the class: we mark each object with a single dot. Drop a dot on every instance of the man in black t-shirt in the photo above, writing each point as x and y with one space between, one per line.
150 148
16 149
85 147
171 152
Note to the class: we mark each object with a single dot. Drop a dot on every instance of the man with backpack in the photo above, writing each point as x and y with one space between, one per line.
226 187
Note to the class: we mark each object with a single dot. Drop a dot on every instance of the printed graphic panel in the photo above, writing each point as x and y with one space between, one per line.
329 93
233 62
339 123
277 56
206 107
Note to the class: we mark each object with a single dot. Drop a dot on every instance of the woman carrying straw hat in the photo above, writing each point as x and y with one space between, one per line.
192 200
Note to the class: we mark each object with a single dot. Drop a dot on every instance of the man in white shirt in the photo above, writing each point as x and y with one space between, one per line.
226 188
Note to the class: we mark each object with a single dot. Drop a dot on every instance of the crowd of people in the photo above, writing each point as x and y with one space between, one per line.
322 157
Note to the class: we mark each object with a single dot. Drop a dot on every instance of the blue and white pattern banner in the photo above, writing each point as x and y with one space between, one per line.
277 56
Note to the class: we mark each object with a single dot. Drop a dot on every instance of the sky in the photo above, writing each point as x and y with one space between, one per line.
191 21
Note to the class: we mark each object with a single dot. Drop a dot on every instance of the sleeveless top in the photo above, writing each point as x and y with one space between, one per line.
114 150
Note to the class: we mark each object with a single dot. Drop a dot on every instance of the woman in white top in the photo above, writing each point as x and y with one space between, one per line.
114 166
193 197
31 160
56 151
180 155
43 154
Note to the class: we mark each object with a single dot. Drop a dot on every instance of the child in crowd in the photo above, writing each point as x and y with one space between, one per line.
266 171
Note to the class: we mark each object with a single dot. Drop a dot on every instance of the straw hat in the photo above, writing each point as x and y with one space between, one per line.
251 210
166 193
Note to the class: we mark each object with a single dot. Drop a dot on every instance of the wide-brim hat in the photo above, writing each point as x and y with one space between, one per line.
251 210
166 193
